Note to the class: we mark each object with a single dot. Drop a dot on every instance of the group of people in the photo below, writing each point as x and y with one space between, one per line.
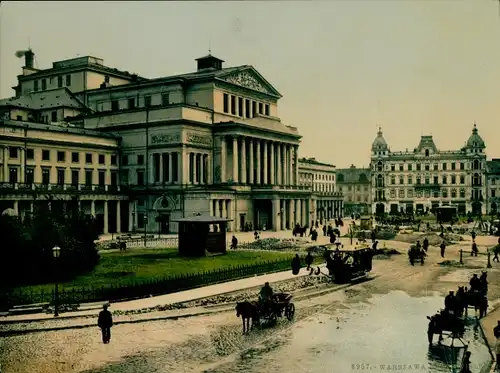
478 285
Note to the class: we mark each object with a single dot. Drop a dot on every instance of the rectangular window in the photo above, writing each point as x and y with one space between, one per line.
131 103
233 105
225 103
44 84
247 108
267 110
427 167
53 116
19 117
409 167
444 166
13 175
30 176
30 154
418 166
88 158
453 166
102 159
75 157
75 177
140 159
453 179
45 176
436 181
59 81
88 177
240 106
113 160
462 166
410 180
114 178
61 156
68 80
125 160
427 181
140 220
401 167
462 179
493 194
35 85
102 177
45 155
115 105
60 176
435 166
254 109
165 99
261 108
13 152
393 167
147 101
140 177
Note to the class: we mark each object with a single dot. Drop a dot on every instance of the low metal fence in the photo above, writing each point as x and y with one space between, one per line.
464 254
135 290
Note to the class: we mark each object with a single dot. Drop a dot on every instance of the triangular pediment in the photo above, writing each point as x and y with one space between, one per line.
251 79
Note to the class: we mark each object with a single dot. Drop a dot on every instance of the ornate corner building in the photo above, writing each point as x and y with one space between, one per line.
138 153
493 180
420 180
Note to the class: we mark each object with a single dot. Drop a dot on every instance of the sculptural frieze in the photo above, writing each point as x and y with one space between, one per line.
247 80
165 138
194 138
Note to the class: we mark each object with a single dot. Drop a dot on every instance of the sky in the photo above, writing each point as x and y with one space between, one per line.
424 67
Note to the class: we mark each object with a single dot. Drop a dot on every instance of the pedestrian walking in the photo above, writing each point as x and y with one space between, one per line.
309 260
496 333
296 264
105 322
234 243
443 248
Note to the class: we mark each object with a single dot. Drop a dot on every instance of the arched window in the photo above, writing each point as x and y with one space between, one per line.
340 178
380 166
453 193
476 165
426 152
476 180
380 181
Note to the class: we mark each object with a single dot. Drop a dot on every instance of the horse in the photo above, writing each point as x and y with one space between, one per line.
299 231
444 321
478 300
248 310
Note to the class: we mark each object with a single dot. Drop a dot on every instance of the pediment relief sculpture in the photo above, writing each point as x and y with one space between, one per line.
248 80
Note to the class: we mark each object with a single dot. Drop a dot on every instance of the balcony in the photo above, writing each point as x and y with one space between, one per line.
59 188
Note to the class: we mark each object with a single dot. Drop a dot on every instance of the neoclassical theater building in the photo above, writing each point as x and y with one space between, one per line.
426 177
149 151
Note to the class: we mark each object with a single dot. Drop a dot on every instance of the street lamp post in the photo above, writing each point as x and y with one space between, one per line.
56 251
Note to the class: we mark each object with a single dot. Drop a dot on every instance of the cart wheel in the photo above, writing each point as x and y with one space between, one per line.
290 311
273 319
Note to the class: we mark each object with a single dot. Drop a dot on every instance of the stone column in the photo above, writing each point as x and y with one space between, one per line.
181 160
265 159
275 213
223 159
233 225
250 166
279 176
151 169
296 165
314 216
202 169
22 152
118 217
291 175
170 169
243 161
257 162
304 212
92 208
105 231
285 165
282 166
16 207
272 176
160 165
131 216
298 211
283 214
290 214
235 160
6 164
224 208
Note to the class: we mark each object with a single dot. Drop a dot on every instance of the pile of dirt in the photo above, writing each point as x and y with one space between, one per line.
450 263
275 244
433 238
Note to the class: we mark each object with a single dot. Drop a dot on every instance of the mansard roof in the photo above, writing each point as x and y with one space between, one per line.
43 100
426 142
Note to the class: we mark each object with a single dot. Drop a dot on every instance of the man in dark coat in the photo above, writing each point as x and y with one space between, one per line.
426 244
474 283
473 235
234 243
309 260
105 322
449 302
474 250
443 248
296 264
324 230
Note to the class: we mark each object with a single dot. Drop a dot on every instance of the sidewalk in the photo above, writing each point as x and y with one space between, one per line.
180 297
487 324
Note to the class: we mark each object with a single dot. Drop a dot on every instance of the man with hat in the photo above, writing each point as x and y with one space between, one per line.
105 322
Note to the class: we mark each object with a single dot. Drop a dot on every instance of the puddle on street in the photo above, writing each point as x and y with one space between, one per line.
389 332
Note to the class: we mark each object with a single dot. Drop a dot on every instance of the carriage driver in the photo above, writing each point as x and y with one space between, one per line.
266 295
475 283
449 302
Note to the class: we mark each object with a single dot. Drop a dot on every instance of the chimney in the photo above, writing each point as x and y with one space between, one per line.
28 58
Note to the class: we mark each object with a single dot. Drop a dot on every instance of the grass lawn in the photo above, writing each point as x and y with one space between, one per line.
140 265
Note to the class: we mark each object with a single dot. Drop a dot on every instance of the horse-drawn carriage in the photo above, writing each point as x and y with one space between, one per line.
448 323
280 305
416 254
348 265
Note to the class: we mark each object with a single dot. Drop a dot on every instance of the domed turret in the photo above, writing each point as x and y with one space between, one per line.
475 141
379 144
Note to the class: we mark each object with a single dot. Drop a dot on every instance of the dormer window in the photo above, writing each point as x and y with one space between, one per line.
426 152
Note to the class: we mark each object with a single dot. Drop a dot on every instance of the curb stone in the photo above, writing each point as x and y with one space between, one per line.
203 312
